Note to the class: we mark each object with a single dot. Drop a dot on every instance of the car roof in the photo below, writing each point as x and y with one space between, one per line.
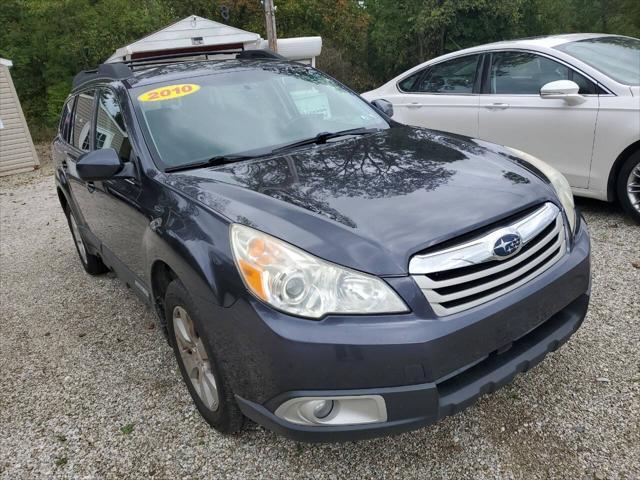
532 43
187 69
161 68
547 41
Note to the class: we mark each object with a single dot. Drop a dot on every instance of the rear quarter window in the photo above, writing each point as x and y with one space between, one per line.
408 84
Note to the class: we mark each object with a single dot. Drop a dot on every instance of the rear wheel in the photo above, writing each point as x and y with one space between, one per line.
91 263
202 374
628 186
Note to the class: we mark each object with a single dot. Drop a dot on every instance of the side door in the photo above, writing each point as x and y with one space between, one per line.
513 113
443 96
80 142
117 217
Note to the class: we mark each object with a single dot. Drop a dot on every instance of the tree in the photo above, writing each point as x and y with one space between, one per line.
365 42
49 41
406 32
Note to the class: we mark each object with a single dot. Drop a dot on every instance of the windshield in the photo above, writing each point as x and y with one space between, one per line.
236 110
616 57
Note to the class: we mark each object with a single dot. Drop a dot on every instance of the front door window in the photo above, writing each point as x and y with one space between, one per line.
524 73
110 128
82 121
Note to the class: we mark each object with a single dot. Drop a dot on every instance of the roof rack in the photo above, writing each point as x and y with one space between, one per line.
112 71
259 54
181 56
123 70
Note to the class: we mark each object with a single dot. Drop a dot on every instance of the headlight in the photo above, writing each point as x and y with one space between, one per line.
558 181
298 283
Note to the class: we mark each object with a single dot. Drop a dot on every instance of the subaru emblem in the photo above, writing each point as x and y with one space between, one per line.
507 245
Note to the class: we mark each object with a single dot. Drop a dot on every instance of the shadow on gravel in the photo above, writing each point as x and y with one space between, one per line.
613 210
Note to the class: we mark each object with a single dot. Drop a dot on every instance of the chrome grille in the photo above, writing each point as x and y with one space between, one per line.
466 275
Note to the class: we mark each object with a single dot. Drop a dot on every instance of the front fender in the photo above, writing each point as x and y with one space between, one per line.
194 243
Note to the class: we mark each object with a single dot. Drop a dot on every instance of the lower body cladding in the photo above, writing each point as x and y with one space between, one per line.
346 378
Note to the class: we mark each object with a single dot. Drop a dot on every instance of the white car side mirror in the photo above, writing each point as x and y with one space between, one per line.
563 89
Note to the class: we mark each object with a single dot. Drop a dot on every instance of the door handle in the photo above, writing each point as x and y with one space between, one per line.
413 105
497 106
91 187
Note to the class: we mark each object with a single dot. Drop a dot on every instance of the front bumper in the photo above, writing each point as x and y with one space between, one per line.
425 367
413 406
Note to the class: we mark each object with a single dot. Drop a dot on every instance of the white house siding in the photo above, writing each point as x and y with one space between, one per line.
84 112
17 153
107 126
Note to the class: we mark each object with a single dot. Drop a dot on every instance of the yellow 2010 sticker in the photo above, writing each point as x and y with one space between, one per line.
169 92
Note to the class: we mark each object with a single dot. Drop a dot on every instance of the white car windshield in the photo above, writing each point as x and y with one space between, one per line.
237 109
616 57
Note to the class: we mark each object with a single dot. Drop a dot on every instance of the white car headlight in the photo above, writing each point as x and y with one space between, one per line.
558 181
298 283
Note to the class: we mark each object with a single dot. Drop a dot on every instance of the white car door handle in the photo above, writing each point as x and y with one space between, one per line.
497 106
413 105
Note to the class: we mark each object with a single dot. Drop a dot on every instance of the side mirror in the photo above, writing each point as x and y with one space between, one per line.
562 89
103 164
384 106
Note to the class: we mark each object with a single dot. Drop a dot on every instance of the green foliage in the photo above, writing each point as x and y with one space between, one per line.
51 40
127 429
56 95
365 42
606 16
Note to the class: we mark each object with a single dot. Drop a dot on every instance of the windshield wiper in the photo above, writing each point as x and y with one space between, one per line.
318 139
217 160
322 137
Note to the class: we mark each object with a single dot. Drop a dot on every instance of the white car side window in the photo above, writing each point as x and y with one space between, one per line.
524 73
455 76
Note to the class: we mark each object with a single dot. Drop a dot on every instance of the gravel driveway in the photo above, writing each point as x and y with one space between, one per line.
89 387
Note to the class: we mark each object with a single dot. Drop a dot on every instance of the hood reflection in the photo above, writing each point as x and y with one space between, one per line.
368 202
377 166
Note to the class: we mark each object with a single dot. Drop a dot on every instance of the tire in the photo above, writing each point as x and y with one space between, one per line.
628 186
91 263
222 414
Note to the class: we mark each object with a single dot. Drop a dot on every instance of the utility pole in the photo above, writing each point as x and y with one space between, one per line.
270 19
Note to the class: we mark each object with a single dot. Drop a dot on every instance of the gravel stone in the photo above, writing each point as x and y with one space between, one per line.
89 390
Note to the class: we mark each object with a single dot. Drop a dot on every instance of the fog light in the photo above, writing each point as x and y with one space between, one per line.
323 409
333 411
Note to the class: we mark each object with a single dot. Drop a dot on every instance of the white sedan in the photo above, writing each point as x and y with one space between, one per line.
570 100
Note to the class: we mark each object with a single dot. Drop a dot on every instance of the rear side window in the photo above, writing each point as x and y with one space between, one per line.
110 129
82 120
66 121
454 76
409 84
523 73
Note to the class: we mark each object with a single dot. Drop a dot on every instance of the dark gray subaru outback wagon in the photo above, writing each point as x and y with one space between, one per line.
318 268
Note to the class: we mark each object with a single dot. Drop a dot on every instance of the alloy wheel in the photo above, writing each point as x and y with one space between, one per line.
195 359
633 187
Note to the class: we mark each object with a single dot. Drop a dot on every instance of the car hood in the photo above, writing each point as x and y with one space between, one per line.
370 202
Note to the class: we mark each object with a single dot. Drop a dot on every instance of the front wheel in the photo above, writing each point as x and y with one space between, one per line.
91 263
202 374
628 186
